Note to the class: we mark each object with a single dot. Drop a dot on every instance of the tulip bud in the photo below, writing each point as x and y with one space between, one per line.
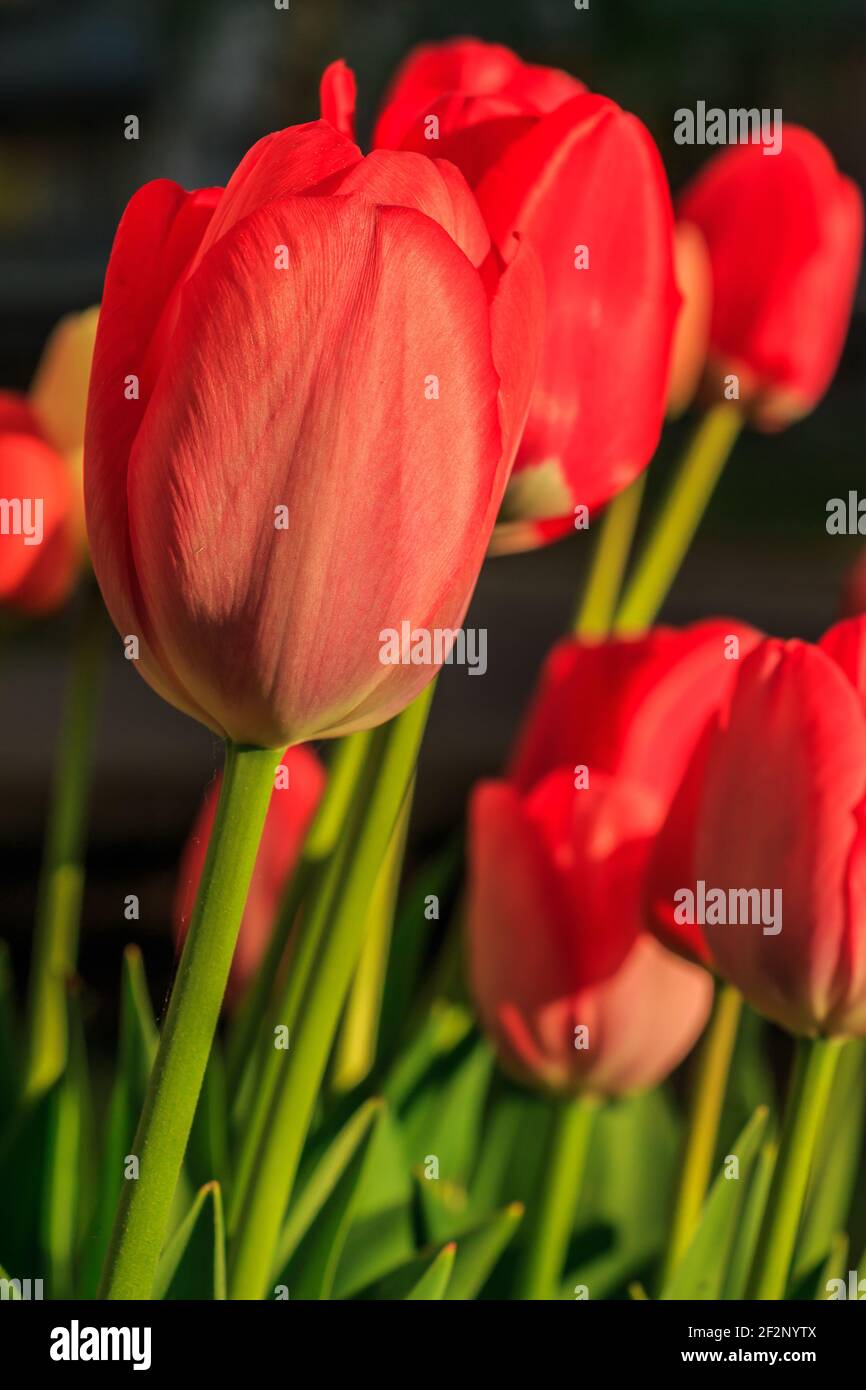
269 481
581 182
289 814
784 234
782 810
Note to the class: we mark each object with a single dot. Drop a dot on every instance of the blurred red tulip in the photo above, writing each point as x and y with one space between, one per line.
784 234
694 277
582 183
303 412
783 809
289 815
573 995
560 855
41 438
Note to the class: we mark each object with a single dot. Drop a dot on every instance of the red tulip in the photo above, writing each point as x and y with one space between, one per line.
326 397
853 599
784 234
581 182
572 993
782 810
41 437
289 815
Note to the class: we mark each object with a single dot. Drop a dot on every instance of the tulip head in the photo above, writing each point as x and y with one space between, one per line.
784 235
581 182
293 804
783 808
304 407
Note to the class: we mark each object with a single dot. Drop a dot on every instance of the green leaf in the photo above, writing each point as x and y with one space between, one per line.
23 1158
442 1123
412 933
701 1272
432 1285
444 1028
835 1266
207 1156
312 1270
751 1217
404 1281
623 1210
68 1171
193 1264
508 1121
479 1250
316 1188
137 1049
837 1159
382 1235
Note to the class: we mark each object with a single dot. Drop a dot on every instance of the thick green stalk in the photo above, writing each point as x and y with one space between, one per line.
659 562
709 1084
343 773
187 1034
552 1214
336 924
61 884
598 604
812 1078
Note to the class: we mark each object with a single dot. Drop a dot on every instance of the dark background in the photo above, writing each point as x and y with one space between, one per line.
206 79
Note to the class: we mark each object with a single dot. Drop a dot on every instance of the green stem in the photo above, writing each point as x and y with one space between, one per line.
355 1052
812 1078
175 1081
598 604
61 884
559 1190
672 534
709 1085
343 773
335 922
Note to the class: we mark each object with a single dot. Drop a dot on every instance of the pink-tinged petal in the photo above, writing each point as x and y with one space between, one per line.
270 628
155 241
641 1022
433 186
282 165
337 96
782 808
589 175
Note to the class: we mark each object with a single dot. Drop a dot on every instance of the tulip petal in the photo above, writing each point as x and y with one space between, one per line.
270 627
337 95
598 405
782 808
433 186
